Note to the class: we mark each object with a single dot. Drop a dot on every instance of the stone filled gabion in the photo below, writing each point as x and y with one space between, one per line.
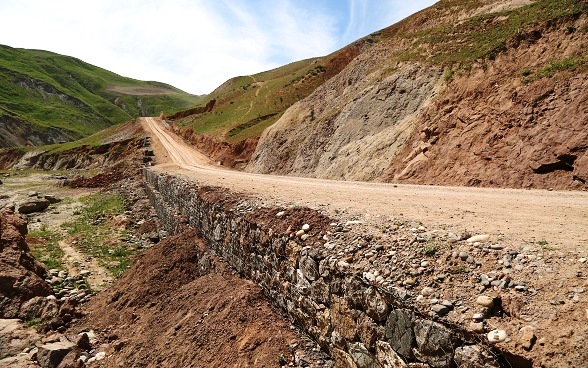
360 323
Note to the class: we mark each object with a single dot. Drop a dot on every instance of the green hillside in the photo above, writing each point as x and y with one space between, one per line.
244 106
47 97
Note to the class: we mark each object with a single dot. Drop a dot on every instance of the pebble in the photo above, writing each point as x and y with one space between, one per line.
447 303
440 309
485 280
304 236
497 246
582 260
280 214
427 291
527 338
306 227
520 288
299 233
478 238
463 256
101 355
410 281
369 276
485 301
51 297
477 327
496 336
478 317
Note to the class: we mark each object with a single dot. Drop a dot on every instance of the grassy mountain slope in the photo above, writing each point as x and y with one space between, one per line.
244 106
47 97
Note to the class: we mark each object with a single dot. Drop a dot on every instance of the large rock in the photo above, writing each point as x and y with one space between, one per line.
376 306
22 287
309 268
15 337
435 343
35 205
341 319
50 355
342 359
399 332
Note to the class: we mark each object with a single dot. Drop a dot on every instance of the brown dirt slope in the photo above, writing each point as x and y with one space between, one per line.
179 306
485 93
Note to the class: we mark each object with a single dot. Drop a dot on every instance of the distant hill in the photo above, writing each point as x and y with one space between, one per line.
244 106
47 98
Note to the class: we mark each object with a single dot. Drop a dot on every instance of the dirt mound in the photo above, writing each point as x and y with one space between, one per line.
22 287
179 306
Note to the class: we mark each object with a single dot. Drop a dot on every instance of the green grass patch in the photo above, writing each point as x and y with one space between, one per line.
555 66
94 234
44 245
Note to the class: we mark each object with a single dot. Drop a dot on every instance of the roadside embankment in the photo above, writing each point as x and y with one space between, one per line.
405 295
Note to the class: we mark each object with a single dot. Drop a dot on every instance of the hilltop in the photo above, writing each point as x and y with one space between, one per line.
48 98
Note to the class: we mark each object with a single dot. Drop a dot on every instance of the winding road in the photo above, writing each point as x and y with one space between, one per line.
557 217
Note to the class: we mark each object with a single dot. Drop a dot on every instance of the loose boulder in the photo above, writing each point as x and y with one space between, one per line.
50 355
35 205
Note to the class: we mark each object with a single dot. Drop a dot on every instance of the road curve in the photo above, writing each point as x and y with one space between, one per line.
560 218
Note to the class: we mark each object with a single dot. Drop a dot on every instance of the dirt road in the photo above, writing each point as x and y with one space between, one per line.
560 218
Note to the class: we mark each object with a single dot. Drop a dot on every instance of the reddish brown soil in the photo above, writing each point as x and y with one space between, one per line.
227 154
110 175
167 312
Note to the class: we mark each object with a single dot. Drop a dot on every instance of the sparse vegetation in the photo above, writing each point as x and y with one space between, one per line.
281 360
554 67
448 75
44 245
430 250
95 234
483 36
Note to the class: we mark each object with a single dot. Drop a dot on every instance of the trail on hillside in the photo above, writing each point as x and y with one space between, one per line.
526 215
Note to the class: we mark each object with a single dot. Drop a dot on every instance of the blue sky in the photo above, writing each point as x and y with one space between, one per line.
195 45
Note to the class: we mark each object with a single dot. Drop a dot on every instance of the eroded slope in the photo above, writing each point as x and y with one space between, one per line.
488 93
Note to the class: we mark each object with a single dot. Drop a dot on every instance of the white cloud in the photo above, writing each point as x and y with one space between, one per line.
194 45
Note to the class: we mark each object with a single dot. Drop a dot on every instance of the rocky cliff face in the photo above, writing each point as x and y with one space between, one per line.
516 116
352 120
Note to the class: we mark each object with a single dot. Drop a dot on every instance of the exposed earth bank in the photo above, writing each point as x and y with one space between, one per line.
514 119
